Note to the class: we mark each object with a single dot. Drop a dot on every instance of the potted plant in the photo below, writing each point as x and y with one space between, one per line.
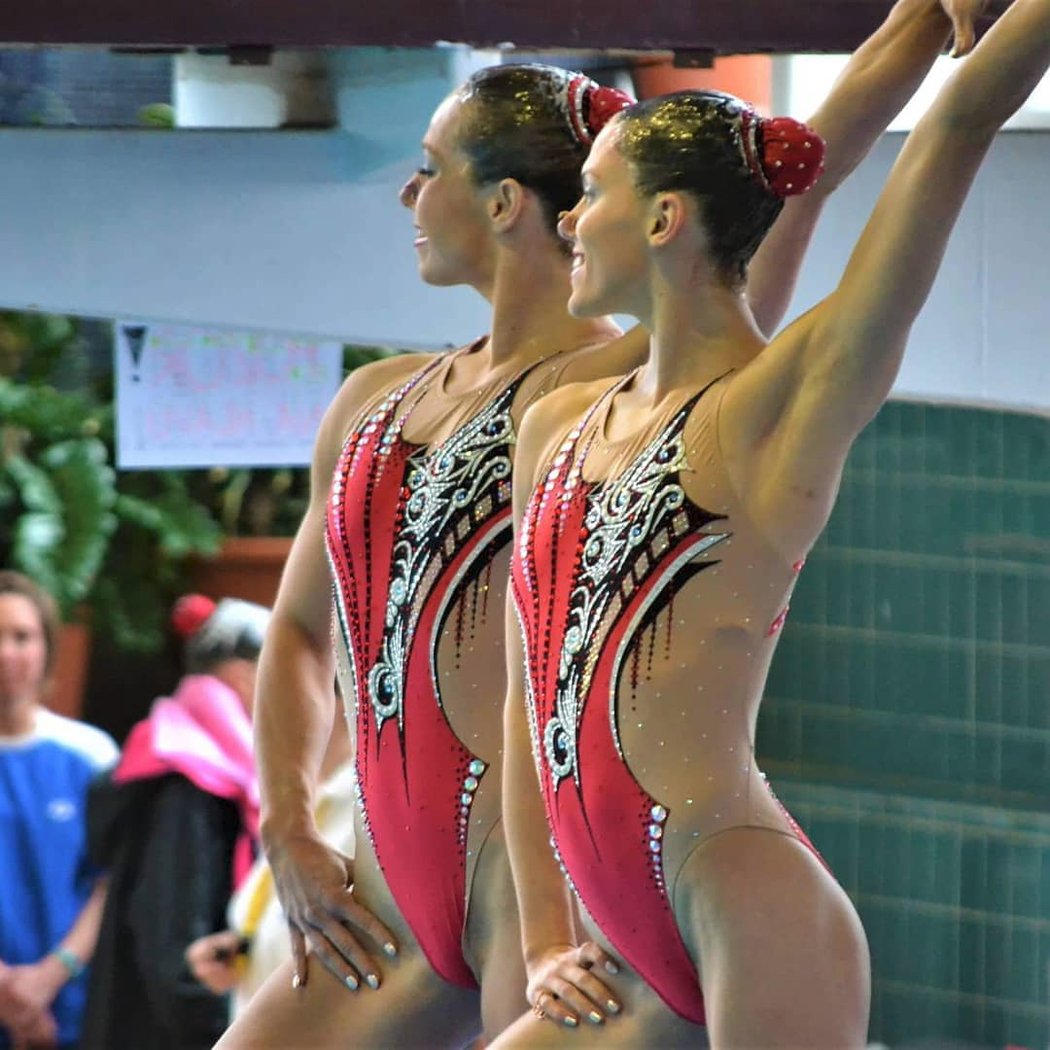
109 545
259 510
116 547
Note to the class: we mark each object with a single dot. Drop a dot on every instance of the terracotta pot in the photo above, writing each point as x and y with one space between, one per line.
749 77
65 694
246 567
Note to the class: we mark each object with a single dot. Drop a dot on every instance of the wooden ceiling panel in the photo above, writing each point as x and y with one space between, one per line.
726 26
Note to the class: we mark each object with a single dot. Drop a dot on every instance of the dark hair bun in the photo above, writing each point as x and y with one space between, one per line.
190 614
792 156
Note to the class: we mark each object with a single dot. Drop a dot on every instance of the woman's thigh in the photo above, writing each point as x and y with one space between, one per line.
493 937
780 949
412 1008
638 1026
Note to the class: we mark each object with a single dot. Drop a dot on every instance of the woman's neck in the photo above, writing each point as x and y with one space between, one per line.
698 332
530 317
18 717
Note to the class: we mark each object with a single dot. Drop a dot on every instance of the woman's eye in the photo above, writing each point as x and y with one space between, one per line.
425 172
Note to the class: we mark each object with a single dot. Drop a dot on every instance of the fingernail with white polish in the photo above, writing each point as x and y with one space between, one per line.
390 948
372 981
594 1017
351 982
571 1021
297 981
612 967
612 1006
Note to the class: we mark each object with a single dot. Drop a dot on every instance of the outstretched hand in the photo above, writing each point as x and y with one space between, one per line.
564 985
963 15
315 886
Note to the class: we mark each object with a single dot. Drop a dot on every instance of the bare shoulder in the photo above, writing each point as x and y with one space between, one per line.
370 381
360 390
605 360
554 413
546 424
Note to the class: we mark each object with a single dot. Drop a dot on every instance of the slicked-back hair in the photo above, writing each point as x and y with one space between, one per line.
690 141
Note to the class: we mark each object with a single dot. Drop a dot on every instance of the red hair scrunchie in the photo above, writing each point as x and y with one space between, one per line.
600 103
190 614
605 103
792 157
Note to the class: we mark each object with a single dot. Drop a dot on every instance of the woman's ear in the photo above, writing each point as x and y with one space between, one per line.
668 214
505 204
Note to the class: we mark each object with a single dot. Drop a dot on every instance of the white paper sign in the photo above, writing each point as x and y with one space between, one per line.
199 397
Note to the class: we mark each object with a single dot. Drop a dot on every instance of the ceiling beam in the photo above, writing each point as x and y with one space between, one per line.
725 26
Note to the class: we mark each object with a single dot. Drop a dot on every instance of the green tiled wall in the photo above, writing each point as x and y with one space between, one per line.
907 718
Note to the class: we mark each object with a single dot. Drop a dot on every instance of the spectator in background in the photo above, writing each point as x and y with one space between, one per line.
176 826
51 900
241 958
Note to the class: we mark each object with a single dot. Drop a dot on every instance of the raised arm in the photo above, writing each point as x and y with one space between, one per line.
294 708
555 960
879 79
789 418
896 260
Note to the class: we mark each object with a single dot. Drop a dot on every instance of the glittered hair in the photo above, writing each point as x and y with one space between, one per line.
230 629
738 166
534 123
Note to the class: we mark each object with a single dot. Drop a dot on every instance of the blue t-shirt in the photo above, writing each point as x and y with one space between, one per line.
45 879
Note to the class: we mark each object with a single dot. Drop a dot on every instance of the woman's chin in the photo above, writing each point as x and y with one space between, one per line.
434 276
582 305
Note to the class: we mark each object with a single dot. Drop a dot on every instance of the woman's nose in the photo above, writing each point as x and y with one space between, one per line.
567 225
409 192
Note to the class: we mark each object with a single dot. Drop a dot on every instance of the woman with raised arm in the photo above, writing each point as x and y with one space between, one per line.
417 529
657 552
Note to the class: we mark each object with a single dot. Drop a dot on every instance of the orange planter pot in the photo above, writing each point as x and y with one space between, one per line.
246 567
749 77
65 694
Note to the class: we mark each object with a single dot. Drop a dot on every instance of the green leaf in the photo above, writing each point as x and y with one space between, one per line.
62 536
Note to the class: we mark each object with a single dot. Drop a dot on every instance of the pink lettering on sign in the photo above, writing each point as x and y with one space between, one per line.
198 397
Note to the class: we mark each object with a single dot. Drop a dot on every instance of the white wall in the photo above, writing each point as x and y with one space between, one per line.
984 336
288 231
302 232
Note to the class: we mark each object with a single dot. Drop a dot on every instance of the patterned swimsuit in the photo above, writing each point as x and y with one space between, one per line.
410 530
605 576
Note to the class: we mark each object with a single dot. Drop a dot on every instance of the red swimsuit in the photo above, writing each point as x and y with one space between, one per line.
587 572
601 569
409 528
